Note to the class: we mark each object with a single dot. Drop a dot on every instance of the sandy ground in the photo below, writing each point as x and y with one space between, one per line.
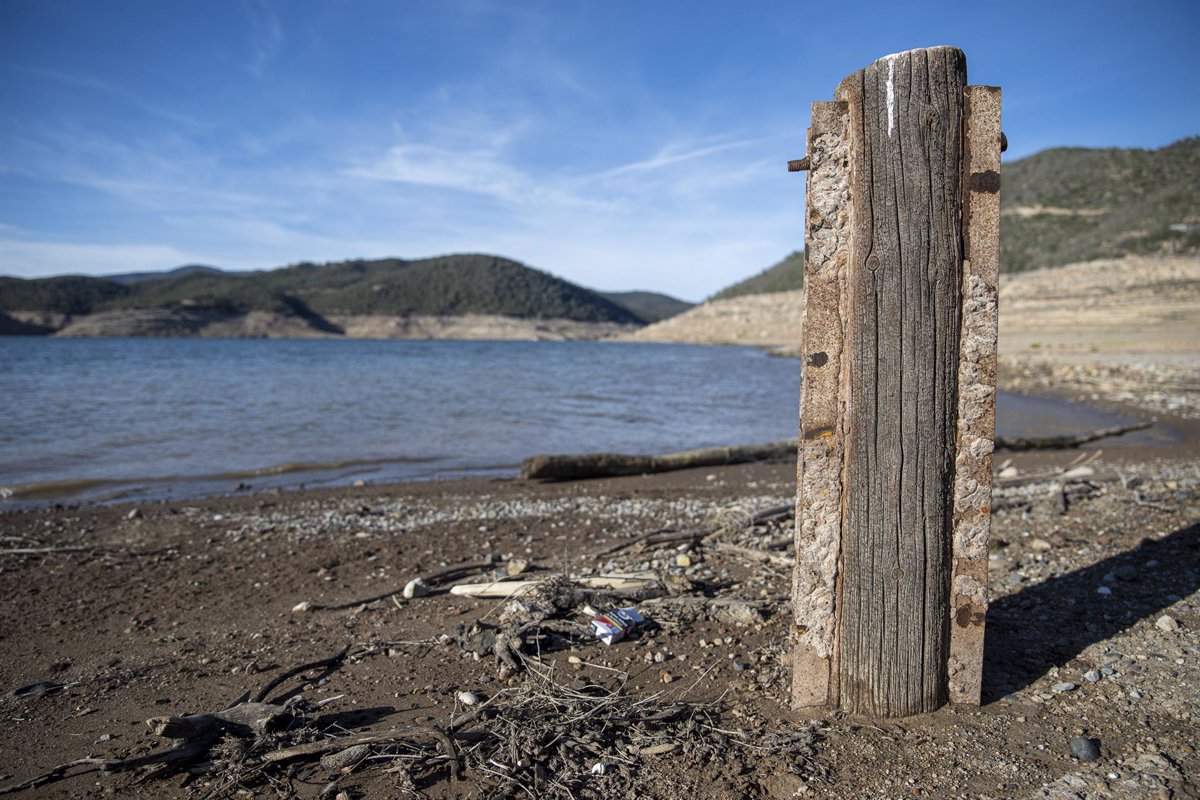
116 615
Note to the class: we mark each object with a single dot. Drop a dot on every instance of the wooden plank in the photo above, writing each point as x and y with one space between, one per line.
819 462
976 391
902 356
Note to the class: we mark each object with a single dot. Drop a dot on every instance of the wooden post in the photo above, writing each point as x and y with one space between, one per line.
898 391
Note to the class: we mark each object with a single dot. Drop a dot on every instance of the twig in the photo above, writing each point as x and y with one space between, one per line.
1141 501
173 757
752 554
431 578
343 742
332 661
27 551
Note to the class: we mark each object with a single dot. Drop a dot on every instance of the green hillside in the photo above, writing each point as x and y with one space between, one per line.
69 294
447 285
648 306
1074 204
783 277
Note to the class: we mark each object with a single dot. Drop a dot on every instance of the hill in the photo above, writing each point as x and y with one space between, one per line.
138 277
649 306
786 276
1073 204
189 300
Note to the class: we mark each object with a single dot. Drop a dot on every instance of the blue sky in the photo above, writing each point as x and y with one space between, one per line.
618 144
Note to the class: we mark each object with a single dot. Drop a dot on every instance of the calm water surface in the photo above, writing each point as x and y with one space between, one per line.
109 419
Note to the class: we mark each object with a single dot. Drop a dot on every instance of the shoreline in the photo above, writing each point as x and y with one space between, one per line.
141 610
1173 436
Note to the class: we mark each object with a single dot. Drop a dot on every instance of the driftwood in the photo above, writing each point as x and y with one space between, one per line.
1066 440
602 465
610 465
433 578
633 583
310 749
196 733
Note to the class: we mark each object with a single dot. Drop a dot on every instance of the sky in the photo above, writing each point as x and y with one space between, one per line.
621 145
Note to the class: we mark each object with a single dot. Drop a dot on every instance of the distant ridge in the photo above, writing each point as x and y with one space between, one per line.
187 269
311 295
649 307
1068 205
1072 204
786 276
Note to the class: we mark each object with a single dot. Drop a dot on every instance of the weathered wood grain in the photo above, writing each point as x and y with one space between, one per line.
902 353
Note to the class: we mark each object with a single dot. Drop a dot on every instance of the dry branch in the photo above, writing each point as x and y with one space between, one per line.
602 465
1065 440
608 465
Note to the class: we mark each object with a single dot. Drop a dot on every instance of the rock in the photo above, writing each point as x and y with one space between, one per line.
1127 572
345 758
1091 676
1167 623
1040 544
737 612
415 588
301 607
1065 686
1086 749
134 514
683 560
469 698
1104 591
516 566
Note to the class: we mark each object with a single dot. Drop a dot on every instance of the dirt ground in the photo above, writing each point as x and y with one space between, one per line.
116 615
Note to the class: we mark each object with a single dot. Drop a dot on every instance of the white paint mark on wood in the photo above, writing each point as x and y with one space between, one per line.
891 94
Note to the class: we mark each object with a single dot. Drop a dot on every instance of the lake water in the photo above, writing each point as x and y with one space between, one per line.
111 419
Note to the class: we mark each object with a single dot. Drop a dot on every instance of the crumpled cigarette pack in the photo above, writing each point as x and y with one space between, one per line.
613 626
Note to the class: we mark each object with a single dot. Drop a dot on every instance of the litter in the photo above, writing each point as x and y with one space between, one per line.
613 626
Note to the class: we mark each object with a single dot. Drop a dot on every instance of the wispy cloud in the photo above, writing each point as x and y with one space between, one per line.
678 153
266 37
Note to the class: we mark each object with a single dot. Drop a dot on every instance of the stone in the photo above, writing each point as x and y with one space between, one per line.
415 588
469 698
1086 749
1091 676
1065 686
1127 572
1104 591
345 758
1167 623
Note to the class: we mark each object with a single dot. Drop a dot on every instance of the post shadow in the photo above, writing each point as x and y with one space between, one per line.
1020 646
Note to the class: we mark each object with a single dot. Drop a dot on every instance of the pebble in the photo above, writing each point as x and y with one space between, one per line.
1065 686
1104 591
1091 676
1135 694
1085 748
415 588
469 698
1127 572
1167 623
683 560
134 514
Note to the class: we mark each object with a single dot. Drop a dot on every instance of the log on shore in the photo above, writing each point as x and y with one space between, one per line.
611 465
604 465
